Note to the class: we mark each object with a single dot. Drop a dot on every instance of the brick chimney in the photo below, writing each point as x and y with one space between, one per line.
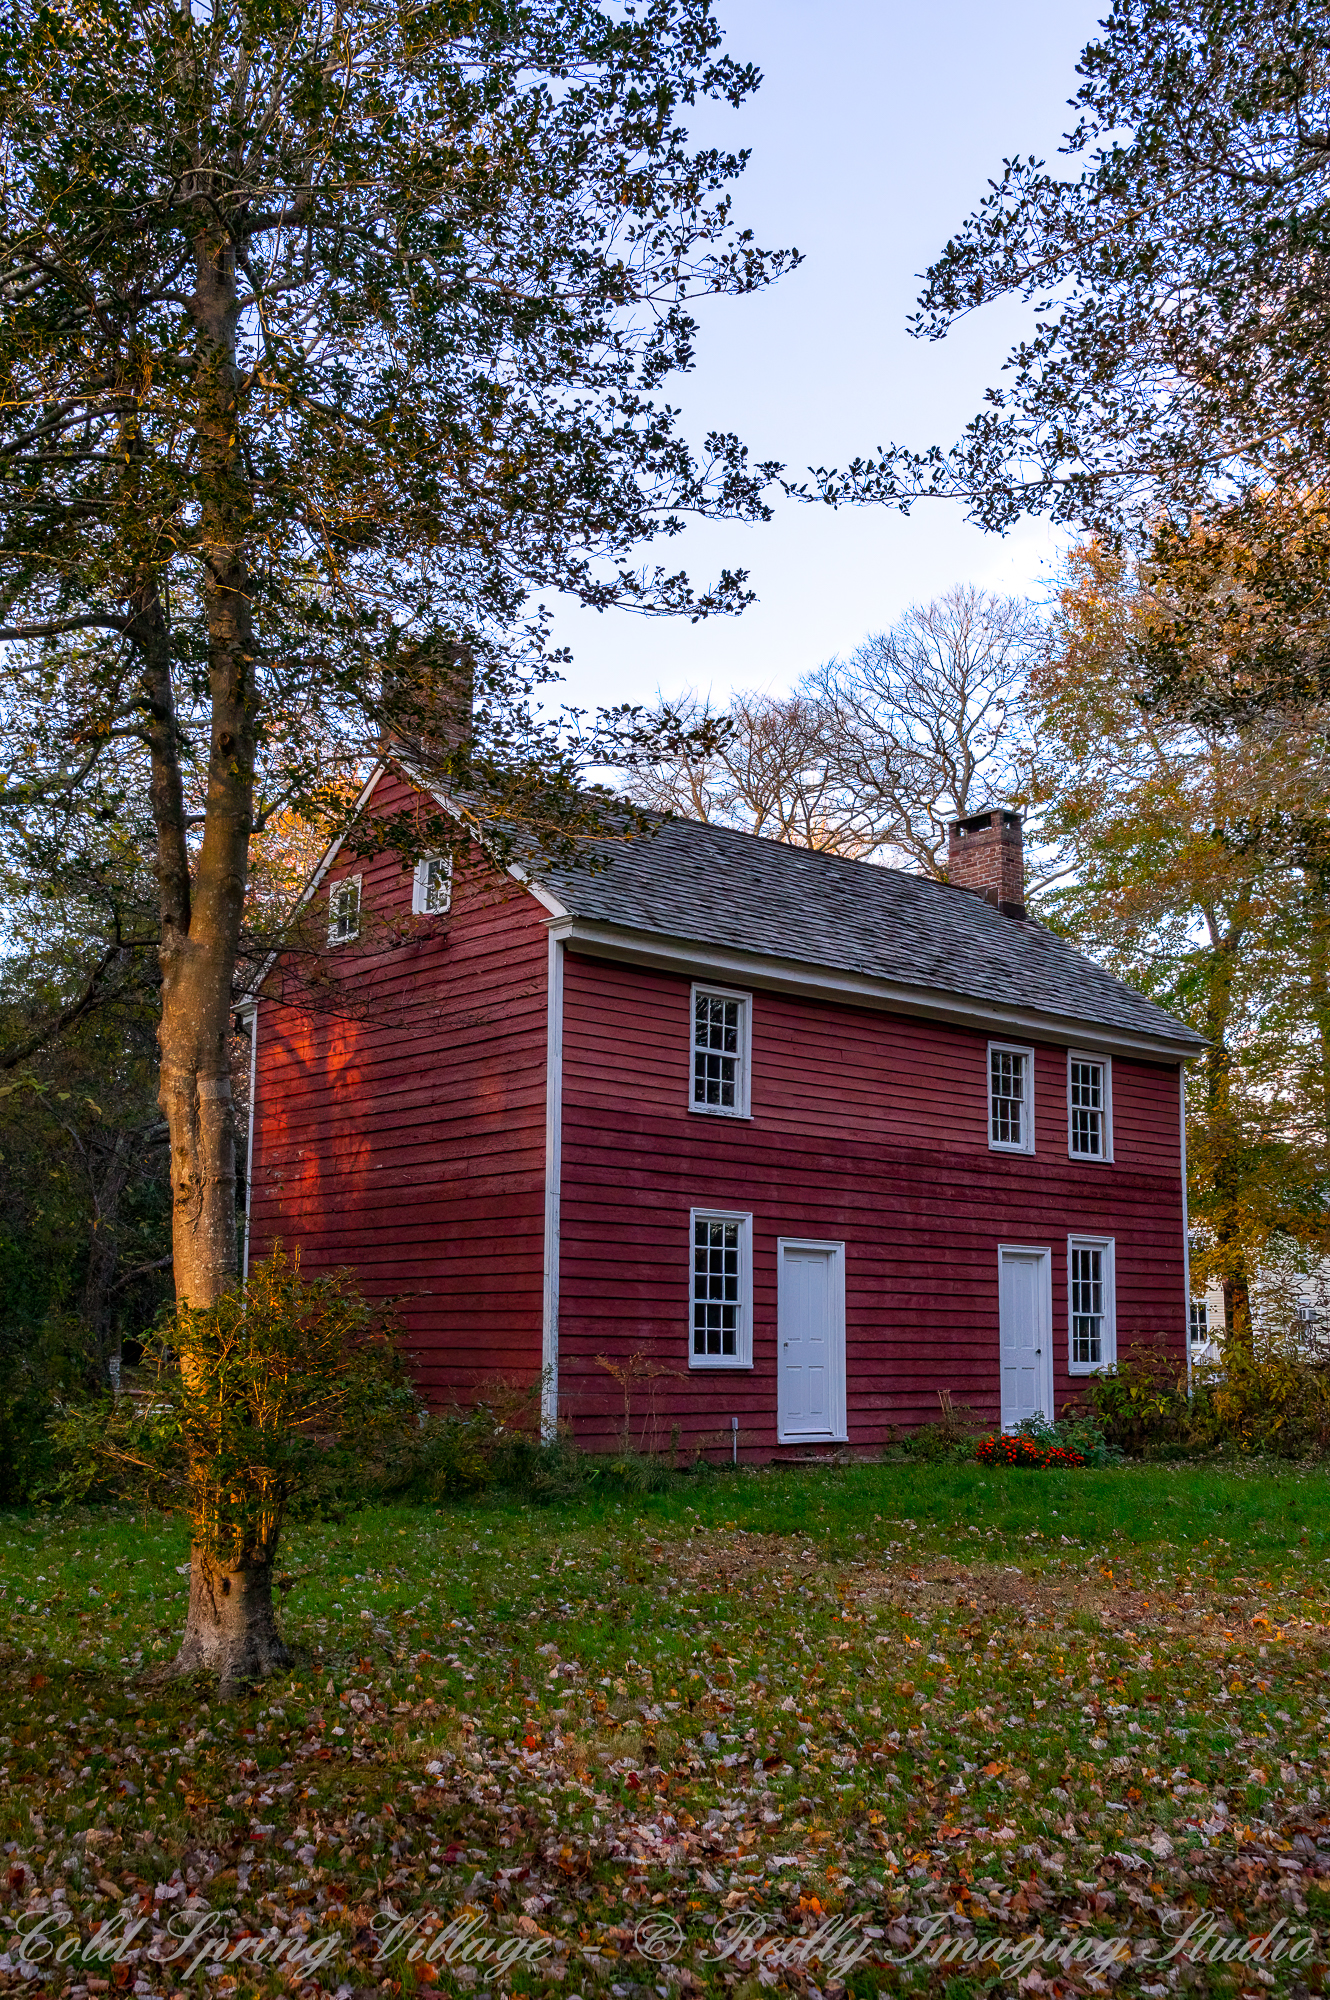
427 699
985 855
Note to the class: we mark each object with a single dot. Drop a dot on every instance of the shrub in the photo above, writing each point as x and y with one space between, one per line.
952 1436
496 1442
1012 1448
1141 1404
1268 1400
39 1367
288 1394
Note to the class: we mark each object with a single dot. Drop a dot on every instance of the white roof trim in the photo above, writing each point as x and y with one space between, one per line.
549 902
249 998
663 953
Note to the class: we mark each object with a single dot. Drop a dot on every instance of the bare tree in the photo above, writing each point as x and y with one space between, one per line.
923 724
763 766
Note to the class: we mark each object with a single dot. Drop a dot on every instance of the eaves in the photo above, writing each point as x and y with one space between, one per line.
661 952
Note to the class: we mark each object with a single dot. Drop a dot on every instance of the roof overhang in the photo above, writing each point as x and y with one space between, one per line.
661 952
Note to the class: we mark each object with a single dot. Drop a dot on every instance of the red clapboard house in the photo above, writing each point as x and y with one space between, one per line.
794 1141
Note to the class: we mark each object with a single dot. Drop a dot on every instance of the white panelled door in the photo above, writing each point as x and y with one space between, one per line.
1025 1320
810 1340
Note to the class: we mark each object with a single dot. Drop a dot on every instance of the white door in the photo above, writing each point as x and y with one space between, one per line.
1025 1320
810 1340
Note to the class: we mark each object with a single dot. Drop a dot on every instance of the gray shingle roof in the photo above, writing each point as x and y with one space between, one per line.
711 886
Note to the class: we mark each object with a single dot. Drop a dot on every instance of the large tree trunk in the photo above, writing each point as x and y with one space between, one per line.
230 1630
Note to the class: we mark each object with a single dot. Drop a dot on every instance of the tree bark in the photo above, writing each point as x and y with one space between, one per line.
1318 978
198 963
1223 1140
231 1630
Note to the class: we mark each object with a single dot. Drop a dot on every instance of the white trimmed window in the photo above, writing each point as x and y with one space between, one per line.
1199 1322
720 1051
1092 1322
1010 1098
720 1290
344 910
432 889
1089 1107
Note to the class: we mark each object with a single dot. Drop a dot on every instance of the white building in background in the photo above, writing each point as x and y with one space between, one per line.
1289 1297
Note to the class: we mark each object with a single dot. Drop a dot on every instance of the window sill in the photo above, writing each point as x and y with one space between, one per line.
996 1146
1091 1367
712 1364
719 1111
1090 1159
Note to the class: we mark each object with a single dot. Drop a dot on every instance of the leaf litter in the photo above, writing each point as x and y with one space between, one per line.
560 1732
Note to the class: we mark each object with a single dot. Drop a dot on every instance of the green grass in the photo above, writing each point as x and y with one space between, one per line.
885 1693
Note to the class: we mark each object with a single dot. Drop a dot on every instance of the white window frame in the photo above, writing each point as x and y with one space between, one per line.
337 936
1194 1306
1109 1344
741 1108
420 903
743 1333
1105 1065
1027 1102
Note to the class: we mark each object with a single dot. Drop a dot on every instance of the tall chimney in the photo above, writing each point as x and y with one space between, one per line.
985 855
428 693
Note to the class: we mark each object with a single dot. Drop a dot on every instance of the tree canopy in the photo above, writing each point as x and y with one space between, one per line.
1177 268
331 336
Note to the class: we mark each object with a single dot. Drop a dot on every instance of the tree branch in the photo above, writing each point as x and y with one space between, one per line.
10 1058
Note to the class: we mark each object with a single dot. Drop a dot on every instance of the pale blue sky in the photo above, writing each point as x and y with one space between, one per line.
875 132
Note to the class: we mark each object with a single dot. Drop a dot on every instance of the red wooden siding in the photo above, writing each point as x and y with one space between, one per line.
400 1115
867 1128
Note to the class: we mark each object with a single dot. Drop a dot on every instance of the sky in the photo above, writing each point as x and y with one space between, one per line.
875 132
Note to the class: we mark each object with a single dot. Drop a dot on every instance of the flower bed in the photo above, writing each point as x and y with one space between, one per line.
1006 1450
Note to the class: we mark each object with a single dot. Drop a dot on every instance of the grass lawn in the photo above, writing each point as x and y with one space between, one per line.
846 1717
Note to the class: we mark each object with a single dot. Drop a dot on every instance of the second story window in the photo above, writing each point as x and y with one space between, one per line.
720 1051
1089 1108
432 890
1199 1318
1010 1098
344 910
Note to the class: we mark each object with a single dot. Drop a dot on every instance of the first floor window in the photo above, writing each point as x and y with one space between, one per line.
1090 1281
1089 1135
344 910
432 891
721 1290
1199 1322
720 1051
1010 1102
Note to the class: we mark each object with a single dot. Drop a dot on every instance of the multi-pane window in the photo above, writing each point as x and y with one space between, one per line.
1090 1284
721 1284
1089 1136
1199 1322
344 910
432 892
720 1052
1087 1306
1010 1120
